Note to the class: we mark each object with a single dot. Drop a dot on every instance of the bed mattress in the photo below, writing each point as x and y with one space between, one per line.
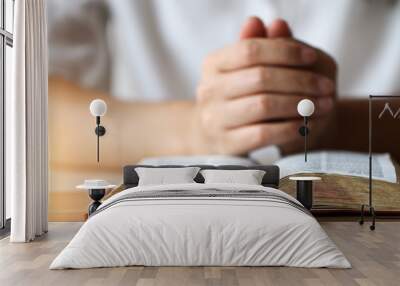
201 225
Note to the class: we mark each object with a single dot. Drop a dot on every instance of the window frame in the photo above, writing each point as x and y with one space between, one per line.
6 39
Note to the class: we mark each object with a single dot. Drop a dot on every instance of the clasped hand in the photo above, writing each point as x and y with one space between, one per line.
249 91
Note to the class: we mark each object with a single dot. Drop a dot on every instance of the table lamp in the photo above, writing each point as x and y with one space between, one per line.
305 108
304 192
98 108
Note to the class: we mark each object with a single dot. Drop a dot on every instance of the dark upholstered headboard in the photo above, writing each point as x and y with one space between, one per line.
271 177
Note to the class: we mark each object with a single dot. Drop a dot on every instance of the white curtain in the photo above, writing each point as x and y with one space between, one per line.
26 123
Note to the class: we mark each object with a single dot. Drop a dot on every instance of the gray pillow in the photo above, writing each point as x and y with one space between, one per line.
248 177
162 176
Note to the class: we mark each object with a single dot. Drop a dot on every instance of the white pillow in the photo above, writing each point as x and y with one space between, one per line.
248 177
162 176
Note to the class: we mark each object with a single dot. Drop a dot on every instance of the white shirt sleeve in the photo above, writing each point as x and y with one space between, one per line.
78 48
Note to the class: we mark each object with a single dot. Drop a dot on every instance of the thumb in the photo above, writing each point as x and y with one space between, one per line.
253 28
279 28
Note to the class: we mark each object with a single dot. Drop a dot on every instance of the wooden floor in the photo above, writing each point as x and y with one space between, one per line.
375 257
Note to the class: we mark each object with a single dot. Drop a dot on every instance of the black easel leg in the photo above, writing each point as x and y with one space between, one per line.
361 221
372 210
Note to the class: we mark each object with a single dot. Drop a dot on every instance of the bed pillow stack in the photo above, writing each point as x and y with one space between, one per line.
163 176
184 175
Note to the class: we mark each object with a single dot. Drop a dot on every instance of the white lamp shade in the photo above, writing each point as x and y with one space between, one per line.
98 107
305 107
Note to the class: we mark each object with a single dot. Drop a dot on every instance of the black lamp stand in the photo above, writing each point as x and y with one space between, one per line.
100 131
304 131
369 206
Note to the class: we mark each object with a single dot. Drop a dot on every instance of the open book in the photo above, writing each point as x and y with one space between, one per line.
339 162
331 162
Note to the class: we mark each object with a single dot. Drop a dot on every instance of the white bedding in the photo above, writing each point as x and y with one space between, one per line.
183 231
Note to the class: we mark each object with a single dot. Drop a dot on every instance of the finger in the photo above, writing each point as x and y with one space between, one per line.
267 80
279 28
242 140
268 107
325 64
253 28
258 51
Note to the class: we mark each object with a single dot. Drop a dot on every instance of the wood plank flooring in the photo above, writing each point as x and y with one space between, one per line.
375 257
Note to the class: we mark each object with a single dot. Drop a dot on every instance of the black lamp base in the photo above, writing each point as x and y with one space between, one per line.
96 195
304 193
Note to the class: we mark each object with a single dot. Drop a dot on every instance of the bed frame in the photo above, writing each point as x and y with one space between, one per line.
270 179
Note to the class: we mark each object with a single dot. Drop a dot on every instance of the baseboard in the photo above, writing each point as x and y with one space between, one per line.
68 206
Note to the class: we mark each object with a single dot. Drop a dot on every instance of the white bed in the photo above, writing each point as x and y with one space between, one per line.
183 230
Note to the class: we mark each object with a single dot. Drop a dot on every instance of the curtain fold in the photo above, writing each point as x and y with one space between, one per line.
27 121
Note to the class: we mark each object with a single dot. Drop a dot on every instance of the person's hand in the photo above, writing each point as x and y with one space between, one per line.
249 91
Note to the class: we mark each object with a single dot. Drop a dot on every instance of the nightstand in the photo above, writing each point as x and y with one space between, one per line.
304 189
97 190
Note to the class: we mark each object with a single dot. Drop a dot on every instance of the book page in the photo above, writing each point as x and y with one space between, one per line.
339 162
